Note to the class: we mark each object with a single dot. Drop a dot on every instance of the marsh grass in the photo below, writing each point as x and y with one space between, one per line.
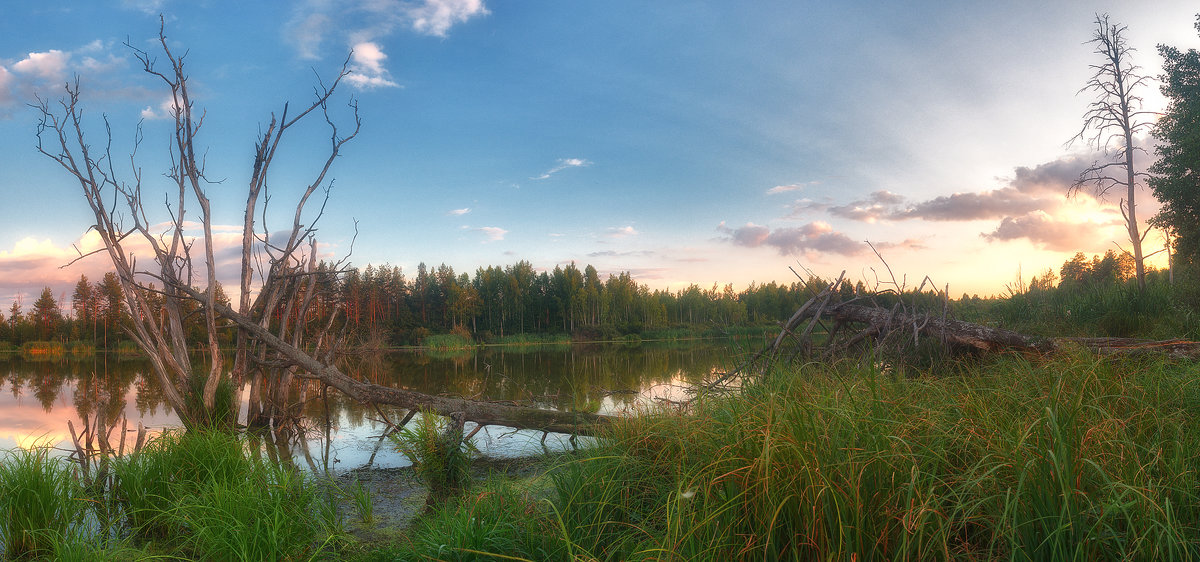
1070 458
40 503
200 495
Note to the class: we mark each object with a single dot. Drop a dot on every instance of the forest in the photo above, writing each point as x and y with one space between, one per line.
381 307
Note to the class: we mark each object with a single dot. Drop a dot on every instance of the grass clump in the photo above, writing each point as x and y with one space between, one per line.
41 504
200 494
439 454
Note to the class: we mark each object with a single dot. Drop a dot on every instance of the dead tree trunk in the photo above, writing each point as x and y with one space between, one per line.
281 336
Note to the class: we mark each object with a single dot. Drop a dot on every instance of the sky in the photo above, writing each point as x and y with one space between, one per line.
684 142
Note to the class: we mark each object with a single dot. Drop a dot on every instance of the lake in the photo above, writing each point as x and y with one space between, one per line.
37 398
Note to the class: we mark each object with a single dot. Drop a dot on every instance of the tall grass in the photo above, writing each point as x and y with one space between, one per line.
1071 458
40 503
202 493
1115 309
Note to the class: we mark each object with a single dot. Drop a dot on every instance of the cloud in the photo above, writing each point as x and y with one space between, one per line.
784 189
616 254
1045 231
789 187
459 212
5 79
563 164
152 7
165 110
622 232
1054 177
436 17
814 237
983 205
366 68
46 72
50 65
313 22
493 233
306 31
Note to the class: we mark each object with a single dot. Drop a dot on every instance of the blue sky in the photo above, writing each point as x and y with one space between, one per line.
705 142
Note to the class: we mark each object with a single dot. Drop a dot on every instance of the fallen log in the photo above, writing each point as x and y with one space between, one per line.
481 413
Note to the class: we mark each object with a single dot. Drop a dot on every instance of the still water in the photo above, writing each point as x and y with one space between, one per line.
38 398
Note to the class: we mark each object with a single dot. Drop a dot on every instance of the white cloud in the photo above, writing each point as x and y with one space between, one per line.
563 164
50 65
313 22
493 233
622 232
366 67
152 7
459 212
165 110
436 17
789 187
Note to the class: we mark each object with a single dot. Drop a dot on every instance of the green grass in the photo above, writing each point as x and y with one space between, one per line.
532 339
186 496
40 503
1070 458
446 342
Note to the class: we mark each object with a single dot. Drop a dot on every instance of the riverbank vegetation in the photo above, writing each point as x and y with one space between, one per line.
1064 457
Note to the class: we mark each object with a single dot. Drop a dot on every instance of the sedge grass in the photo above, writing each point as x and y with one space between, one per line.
1070 458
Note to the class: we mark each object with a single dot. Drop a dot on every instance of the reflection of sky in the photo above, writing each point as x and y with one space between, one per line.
25 423
611 381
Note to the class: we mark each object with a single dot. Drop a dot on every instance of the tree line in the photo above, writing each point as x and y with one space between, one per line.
382 305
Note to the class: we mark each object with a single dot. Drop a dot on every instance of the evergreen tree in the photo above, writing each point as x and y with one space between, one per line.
46 315
1175 177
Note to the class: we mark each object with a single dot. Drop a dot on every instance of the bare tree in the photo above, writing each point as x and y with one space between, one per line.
281 335
1113 119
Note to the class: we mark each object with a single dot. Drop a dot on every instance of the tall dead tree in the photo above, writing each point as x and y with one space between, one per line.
1112 120
281 335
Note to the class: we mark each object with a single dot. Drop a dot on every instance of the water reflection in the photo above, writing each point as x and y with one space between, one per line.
38 398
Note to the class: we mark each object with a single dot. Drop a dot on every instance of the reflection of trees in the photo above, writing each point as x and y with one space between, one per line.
148 396
565 378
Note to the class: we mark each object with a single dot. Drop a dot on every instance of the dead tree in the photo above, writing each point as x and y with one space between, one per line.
281 336
1114 118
